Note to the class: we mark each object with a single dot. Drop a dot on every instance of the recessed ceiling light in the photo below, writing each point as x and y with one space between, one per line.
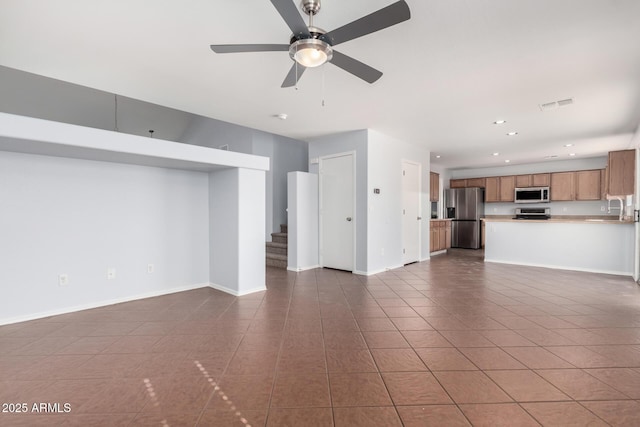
496 154
551 157
572 154
499 122
507 161
568 145
512 133
437 157
282 116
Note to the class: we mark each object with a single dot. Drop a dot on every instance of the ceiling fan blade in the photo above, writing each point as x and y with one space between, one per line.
236 48
294 75
386 17
355 67
289 12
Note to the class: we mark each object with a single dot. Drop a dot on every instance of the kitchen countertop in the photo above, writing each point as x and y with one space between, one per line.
574 219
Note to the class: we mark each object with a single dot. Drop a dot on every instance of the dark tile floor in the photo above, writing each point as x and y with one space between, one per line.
448 342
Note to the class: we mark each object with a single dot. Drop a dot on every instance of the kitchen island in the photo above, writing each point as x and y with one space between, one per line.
594 244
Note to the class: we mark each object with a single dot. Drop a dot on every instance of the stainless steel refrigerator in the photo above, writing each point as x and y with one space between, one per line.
465 207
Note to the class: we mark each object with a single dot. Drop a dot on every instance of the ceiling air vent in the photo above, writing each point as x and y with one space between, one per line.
556 104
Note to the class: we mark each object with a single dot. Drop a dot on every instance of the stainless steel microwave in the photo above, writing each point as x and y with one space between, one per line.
532 195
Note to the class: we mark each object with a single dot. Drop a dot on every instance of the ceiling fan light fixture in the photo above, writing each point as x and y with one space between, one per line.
310 53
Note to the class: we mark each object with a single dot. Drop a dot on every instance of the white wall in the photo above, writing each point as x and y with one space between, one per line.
285 155
303 221
378 216
79 217
341 143
599 248
384 224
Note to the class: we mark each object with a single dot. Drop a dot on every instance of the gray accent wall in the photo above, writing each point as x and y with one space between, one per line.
32 95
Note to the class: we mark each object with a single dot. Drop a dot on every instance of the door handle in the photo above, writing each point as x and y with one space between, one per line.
348 218
419 218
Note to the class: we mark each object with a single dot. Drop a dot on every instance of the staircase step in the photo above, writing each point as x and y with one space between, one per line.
284 228
276 260
277 248
279 237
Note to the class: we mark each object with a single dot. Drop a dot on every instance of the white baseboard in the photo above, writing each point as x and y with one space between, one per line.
381 270
96 304
235 292
299 269
425 259
443 251
563 267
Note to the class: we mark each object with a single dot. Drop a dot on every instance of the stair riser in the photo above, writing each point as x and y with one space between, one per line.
276 263
278 239
284 229
279 251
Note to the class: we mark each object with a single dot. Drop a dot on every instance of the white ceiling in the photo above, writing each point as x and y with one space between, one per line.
449 72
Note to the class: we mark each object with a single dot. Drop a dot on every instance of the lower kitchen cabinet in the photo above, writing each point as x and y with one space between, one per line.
440 235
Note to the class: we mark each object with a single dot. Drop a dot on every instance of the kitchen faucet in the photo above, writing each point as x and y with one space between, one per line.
618 198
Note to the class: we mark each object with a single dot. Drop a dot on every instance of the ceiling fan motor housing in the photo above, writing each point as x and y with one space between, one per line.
310 7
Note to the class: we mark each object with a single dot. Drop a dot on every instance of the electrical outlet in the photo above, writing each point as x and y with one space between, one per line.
495 210
564 209
63 279
111 273
602 208
150 268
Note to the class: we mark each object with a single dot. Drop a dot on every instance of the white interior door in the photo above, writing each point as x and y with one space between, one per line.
337 222
410 212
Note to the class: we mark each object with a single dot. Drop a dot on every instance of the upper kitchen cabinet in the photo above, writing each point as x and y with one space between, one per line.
476 182
562 186
523 181
604 183
492 189
457 183
434 186
622 171
507 187
587 185
541 180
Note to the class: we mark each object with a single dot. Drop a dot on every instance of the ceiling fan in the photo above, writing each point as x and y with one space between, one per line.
310 46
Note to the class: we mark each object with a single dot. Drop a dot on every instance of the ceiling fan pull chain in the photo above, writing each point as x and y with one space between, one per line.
296 64
324 67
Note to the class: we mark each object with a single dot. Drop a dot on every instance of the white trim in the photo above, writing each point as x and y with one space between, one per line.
426 259
299 269
441 251
235 292
89 306
383 270
560 267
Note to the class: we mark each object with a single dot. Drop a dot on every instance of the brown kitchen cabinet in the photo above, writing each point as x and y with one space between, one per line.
507 187
434 186
440 235
587 185
492 189
604 183
447 234
523 181
457 183
622 172
562 186
476 182
540 180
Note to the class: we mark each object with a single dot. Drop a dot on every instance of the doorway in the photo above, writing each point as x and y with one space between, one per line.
410 212
337 206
